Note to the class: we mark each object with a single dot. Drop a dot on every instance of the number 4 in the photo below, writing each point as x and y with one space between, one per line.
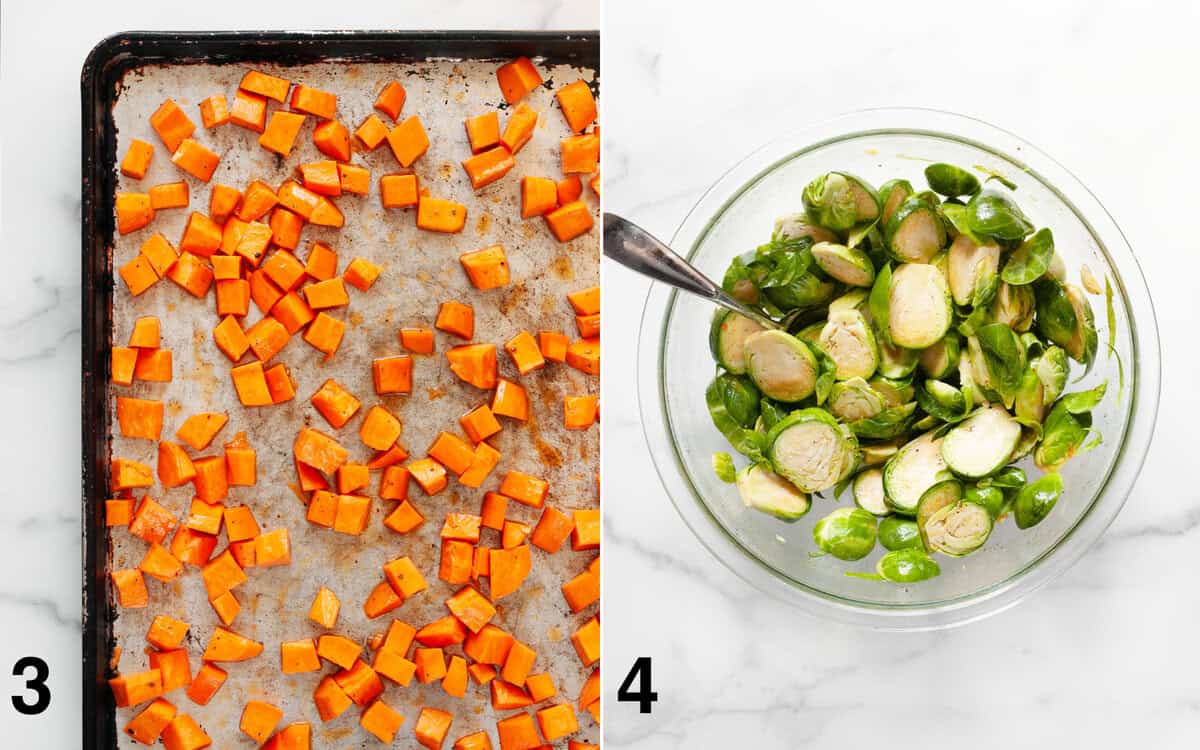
645 695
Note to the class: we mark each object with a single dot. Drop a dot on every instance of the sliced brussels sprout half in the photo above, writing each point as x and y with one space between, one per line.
970 267
763 490
951 181
891 194
939 399
895 392
796 226
1013 306
781 365
991 213
877 454
855 299
909 565
1031 260
989 498
897 532
838 201
896 362
915 468
982 443
1029 406
854 399
805 290
919 308
940 359
1035 501
958 529
727 339
846 533
810 449
848 339
915 233
848 265
1065 318
941 494
868 492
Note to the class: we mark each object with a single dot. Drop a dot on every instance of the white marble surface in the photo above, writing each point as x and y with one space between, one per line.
1106 656
42 48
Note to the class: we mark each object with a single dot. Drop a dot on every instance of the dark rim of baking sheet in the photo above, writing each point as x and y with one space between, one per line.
100 79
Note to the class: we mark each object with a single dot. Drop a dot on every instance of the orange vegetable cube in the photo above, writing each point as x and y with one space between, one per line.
483 461
171 125
526 354
404 518
540 686
580 412
392 665
169 195
225 646
570 221
131 588
394 485
457 318
382 721
382 599
335 403
479 423
124 359
577 104
139 417
418 340
361 274
330 699
432 727
126 474
259 720
570 187
205 683
507 696
538 196
190 273
519 128
138 275
518 663
452 452
249 110
392 374
584 355
372 132
408 141
399 190
132 689
557 721
214 111
380 429
267 338
201 236
135 211
196 159
318 450
588 325
487 268
586 641
580 155
552 530
518 732
322 177
339 650
286 227
508 569
266 85
353 514
462 526
525 488
586 534
227 607
517 79
240 524
322 508
553 345
354 179
222 574
489 646
322 262
352 477
404 577
314 102
226 267
391 99
429 474
493 509
183 733
325 608
455 681
281 132
205 517
444 631
483 131
151 521
118 512
485 168
233 297
150 723
458 558
482 673
474 364
258 200
325 334
510 400
514 534
438 215
284 269
137 159
273 548
582 590
471 608
431 664
292 312
160 253
359 682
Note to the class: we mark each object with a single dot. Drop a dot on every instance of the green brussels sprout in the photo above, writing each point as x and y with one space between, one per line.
1003 356
897 532
723 467
1008 478
992 214
838 201
1035 501
741 278
910 565
990 499
1031 260
1052 368
805 290
846 533
868 492
957 530
896 362
781 365
848 339
855 299
951 181
894 392
1029 406
892 422
941 494
911 471
919 308
812 450
732 402
727 339
797 226
939 399
877 454
1013 306
970 267
915 233
764 491
926 423
854 399
848 265
941 359
1065 318
891 194
1066 427
770 414
981 444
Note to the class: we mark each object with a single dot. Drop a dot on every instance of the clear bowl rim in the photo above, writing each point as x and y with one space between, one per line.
1143 376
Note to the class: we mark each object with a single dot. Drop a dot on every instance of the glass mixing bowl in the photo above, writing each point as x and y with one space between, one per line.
674 367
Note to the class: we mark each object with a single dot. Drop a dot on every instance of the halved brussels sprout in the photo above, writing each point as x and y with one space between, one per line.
848 265
868 492
990 213
951 181
1066 427
1031 260
727 339
838 201
941 494
894 392
915 468
891 194
805 290
855 299
896 362
1065 317
848 339
1029 406
970 267
942 400
919 309
1035 501
1003 356
982 443
781 365
810 449
892 422
990 499
1013 306
915 232
941 359
876 454
795 226
854 399
1052 368
733 402
846 533
908 565
767 492
897 532
958 530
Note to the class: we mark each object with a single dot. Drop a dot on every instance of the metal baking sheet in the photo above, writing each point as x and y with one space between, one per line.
421 269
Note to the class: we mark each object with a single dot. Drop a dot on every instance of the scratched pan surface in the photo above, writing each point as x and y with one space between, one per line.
421 269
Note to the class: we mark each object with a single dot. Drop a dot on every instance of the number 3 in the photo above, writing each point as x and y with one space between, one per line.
37 684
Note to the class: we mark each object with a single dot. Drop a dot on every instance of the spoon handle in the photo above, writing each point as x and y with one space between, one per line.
638 250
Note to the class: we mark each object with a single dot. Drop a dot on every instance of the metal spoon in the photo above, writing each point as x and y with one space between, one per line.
638 250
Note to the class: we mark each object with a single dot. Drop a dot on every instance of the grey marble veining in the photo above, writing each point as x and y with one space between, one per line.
1105 657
